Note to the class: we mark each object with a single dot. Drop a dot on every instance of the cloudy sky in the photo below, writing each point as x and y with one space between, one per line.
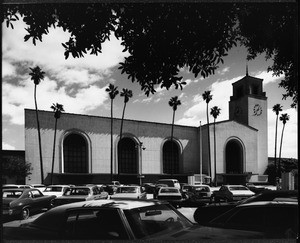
79 84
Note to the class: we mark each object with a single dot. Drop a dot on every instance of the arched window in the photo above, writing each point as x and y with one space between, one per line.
75 153
170 157
127 156
234 157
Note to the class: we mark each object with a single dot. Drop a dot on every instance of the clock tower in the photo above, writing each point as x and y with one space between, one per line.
248 105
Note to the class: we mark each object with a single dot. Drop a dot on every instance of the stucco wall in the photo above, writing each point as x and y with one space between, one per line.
97 132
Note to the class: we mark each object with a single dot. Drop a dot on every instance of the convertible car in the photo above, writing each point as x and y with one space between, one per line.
20 203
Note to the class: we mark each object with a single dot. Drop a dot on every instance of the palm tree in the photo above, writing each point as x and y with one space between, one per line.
284 118
208 97
215 112
127 95
174 102
113 92
58 109
37 75
276 108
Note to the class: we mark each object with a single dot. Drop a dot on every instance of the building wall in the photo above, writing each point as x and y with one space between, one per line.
97 132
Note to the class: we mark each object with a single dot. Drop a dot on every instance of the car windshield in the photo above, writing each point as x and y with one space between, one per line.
53 189
77 191
11 194
169 190
127 190
156 219
237 188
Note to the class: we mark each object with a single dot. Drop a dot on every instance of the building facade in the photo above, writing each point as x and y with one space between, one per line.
146 150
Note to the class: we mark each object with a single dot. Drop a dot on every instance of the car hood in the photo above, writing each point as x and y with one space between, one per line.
124 195
207 233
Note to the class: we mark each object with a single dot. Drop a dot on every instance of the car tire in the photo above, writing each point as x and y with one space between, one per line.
25 213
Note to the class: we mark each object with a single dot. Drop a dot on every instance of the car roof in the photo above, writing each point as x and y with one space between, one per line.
169 187
57 185
266 203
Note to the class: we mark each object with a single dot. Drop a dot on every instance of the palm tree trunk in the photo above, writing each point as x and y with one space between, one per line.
111 141
279 160
215 160
39 136
208 141
275 159
53 155
122 120
172 157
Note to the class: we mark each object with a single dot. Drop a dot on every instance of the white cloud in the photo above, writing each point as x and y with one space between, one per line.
7 69
48 93
267 77
223 71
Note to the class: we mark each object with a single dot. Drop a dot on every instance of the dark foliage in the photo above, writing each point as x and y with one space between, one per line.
15 167
163 37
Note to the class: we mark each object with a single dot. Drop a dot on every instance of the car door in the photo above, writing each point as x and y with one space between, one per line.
39 201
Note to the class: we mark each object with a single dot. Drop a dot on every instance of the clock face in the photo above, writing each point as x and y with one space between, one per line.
257 110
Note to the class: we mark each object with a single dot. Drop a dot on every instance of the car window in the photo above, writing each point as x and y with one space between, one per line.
36 193
78 191
155 219
127 190
95 190
11 194
103 224
53 189
169 190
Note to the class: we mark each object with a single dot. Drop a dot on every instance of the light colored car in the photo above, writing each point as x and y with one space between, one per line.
230 193
11 186
170 194
169 182
20 203
81 193
41 187
121 220
130 192
57 190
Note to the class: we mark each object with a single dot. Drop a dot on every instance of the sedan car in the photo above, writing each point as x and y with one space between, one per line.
57 190
81 193
198 193
203 215
170 194
276 219
230 193
118 219
130 192
20 203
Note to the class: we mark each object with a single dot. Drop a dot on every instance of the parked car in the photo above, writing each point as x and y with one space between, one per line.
56 190
21 203
10 186
256 188
198 193
276 219
169 182
230 193
170 194
81 193
157 188
41 187
118 220
203 215
149 187
130 192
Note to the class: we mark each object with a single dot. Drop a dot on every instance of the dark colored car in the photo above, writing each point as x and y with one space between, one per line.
118 220
81 193
20 203
206 213
198 193
275 219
